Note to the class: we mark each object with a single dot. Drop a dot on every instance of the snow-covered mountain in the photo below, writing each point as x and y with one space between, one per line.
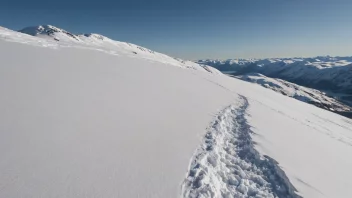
304 94
97 120
330 76
49 31
55 36
323 72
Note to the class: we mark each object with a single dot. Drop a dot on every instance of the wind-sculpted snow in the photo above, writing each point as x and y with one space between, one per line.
227 164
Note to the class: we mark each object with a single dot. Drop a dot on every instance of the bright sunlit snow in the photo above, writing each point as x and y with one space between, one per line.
98 120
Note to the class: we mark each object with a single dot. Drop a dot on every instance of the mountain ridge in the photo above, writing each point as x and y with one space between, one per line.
100 42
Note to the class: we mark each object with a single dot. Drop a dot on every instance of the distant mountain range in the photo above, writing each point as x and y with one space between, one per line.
329 78
322 72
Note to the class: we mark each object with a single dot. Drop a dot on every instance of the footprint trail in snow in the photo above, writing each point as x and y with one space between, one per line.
227 164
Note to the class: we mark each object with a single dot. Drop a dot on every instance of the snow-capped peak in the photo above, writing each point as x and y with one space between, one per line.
58 36
35 30
49 31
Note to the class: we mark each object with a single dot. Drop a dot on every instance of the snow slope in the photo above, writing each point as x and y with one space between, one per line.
301 93
310 144
78 121
81 123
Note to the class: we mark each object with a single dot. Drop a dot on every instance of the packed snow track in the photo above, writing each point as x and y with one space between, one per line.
227 165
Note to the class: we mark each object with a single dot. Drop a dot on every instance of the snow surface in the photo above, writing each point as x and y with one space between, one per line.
310 144
227 165
76 122
80 123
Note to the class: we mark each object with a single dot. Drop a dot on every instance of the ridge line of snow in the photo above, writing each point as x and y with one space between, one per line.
58 37
227 164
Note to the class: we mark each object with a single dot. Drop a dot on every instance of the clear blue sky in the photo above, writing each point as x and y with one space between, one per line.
197 29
